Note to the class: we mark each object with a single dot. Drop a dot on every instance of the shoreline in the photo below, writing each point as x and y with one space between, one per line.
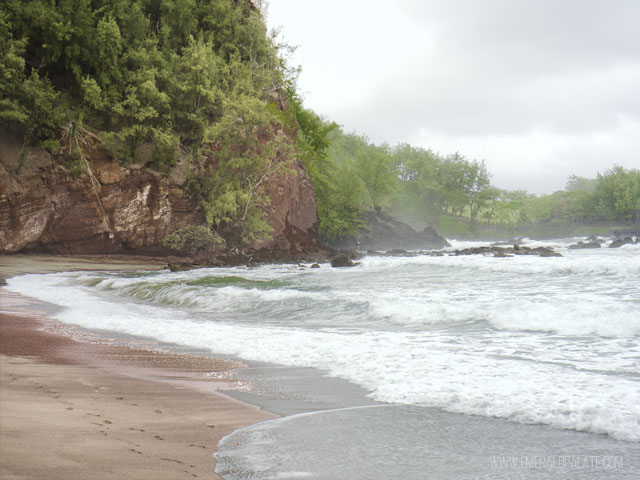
94 407
12 265
358 439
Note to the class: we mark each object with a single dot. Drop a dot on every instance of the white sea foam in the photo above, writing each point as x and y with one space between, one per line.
533 340
585 317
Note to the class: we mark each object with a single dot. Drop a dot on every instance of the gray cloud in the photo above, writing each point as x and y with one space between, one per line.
495 77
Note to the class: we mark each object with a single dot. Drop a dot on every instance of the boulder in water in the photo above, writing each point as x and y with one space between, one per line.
508 243
549 254
384 232
618 242
592 244
502 252
595 238
342 261
181 267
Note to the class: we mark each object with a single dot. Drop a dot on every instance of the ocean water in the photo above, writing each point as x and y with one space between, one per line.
461 362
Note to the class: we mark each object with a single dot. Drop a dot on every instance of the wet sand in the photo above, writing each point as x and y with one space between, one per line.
77 406
11 265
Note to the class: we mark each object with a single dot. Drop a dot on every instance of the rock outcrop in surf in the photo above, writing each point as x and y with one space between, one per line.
383 232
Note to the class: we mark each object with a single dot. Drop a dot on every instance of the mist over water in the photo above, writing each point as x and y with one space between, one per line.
553 341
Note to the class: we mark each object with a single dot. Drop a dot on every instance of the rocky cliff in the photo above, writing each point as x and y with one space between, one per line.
113 209
384 232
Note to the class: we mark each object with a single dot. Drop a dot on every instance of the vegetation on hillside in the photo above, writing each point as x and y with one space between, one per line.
420 187
194 79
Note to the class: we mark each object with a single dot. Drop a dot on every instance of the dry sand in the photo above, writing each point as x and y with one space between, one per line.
73 406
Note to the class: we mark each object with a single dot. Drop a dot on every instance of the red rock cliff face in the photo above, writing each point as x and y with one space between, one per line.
44 209
292 213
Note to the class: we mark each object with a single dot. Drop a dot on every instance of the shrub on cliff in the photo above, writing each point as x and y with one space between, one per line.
338 190
244 150
193 240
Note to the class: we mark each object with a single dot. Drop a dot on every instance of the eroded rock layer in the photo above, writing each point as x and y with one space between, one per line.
112 209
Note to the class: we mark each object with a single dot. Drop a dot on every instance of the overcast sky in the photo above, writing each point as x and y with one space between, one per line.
539 89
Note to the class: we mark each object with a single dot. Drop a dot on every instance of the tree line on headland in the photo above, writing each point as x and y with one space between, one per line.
201 81
420 186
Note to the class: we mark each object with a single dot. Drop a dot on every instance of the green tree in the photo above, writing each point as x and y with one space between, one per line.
338 190
477 185
197 89
495 197
12 67
509 210
340 210
374 168
576 183
419 193
617 194
245 149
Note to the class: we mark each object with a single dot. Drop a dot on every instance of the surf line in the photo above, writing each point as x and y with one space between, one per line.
279 420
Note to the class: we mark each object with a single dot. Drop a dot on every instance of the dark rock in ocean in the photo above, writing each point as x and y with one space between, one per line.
181 267
349 254
545 252
342 261
631 232
618 242
315 265
549 254
594 238
384 232
398 252
502 252
514 242
593 244
481 251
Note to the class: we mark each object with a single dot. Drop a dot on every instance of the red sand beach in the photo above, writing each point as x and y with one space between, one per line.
75 406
